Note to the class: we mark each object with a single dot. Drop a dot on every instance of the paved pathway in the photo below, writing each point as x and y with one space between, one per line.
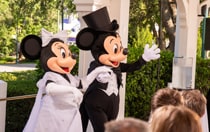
16 67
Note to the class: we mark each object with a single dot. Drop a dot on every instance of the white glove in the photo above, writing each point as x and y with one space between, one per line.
93 75
152 53
75 94
104 77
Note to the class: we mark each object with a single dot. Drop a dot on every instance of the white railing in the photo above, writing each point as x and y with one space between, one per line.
3 94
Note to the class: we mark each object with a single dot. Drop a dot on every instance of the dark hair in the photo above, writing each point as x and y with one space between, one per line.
165 96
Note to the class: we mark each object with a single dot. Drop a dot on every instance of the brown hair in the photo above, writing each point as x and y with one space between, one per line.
127 124
194 100
175 119
165 96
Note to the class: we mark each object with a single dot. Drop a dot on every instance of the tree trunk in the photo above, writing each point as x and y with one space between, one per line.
169 11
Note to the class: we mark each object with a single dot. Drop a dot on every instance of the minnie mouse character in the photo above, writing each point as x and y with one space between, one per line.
57 103
101 100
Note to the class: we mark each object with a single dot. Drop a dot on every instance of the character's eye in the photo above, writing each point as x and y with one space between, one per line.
115 48
63 52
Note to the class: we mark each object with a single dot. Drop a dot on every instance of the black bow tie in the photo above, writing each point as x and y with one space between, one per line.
118 73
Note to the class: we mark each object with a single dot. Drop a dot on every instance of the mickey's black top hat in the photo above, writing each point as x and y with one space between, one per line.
100 21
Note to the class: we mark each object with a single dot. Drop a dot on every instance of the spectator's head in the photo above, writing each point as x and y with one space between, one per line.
128 124
175 119
165 96
194 100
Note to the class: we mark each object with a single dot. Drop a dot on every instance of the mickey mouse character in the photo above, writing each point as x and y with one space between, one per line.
57 103
101 100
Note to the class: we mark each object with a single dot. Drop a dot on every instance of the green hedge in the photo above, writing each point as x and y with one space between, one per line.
18 111
202 77
142 84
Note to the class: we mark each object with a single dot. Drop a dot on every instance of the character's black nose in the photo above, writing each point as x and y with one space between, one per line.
74 56
125 51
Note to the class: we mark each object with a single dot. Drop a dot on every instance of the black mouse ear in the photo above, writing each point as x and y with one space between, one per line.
31 46
85 38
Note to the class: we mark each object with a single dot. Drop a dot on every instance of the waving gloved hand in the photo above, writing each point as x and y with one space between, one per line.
104 77
152 53
100 73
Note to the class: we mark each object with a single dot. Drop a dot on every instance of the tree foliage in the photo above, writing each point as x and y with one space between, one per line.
19 18
143 13
160 12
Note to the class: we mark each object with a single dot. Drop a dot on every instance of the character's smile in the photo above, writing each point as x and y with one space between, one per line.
115 63
66 69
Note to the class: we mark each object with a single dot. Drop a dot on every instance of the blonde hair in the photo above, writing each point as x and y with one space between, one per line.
194 100
127 124
175 119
